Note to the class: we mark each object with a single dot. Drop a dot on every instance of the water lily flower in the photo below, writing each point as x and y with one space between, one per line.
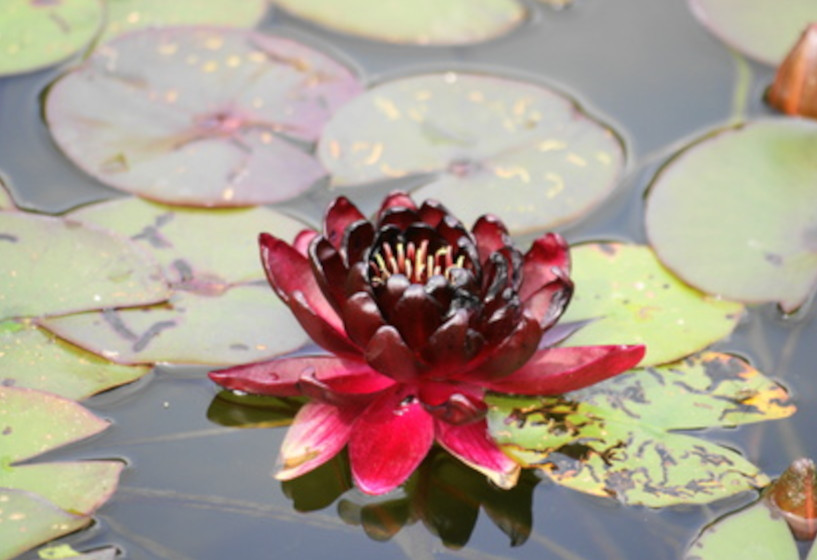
420 317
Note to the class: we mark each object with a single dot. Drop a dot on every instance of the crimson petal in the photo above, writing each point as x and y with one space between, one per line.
330 271
472 445
389 441
339 216
356 241
303 239
554 371
491 236
432 212
416 316
549 302
319 330
453 344
362 318
395 200
510 354
547 253
388 354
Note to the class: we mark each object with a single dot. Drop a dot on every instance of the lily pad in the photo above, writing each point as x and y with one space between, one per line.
762 29
618 439
735 214
6 200
34 358
244 324
129 15
35 34
497 145
421 22
199 250
637 301
55 265
197 116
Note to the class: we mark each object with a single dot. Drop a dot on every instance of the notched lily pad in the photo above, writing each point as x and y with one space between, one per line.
762 29
244 324
36 359
421 22
200 250
497 145
35 34
197 116
55 265
735 214
635 300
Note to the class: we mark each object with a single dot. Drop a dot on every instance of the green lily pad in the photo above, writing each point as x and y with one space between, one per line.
36 359
618 439
129 15
55 265
726 538
735 214
497 145
422 22
243 324
6 200
637 301
199 250
762 29
35 34
134 116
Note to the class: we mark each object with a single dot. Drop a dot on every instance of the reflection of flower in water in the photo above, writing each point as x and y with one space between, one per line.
421 317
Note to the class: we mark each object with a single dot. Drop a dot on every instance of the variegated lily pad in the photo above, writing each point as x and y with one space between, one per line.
35 34
130 15
55 265
637 301
200 250
197 116
763 29
497 145
244 324
422 22
736 214
34 358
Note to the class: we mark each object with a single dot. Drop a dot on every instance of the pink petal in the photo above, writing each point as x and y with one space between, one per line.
491 236
303 239
318 433
394 200
389 440
554 371
473 446
339 216
546 253
388 354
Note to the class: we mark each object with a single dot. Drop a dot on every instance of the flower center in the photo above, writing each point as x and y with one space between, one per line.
416 263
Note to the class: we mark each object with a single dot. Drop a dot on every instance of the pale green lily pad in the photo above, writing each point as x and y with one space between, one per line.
422 22
637 301
6 200
61 551
763 29
244 324
129 15
735 214
754 533
36 359
199 250
199 116
55 265
616 438
35 34
516 149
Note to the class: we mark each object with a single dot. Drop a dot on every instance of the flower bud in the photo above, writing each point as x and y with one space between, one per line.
794 90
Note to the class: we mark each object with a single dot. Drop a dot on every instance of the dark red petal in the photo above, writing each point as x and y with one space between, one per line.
303 239
330 271
548 304
554 371
398 217
453 344
453 403
388 354
491 236
347 390
389 441
318 433
416 316
357 240
473 446
388 295
362 318
357 280
509 355
452 230
323 334
547 253
432 212
395 200
340 215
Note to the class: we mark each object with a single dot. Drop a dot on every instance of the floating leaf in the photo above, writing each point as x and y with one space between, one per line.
35 34
637 301
36 359
734 214
762 29
194 116
423 22
754 533
55 265
6 200
616 438
243 324
497 145
129 15
200 250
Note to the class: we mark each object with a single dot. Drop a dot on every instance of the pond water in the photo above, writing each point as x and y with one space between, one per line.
197 490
